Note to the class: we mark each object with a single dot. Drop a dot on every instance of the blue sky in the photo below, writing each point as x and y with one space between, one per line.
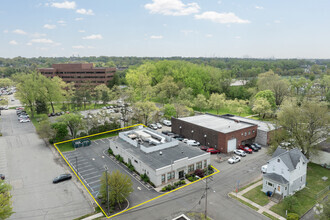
190 28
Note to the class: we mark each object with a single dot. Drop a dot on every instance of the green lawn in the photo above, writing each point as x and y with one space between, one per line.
245 203
306 197
257 196
226 110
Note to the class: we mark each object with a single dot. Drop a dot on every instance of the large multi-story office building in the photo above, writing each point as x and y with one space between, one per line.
80 73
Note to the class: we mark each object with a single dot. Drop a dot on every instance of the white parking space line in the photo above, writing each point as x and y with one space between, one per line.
95 142
102 141
87 174
84 166
94 182
86 162
73 157
89 178
95 187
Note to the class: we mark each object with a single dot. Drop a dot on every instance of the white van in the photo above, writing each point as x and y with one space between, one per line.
167 123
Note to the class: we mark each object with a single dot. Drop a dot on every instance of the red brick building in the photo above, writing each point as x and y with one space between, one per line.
222 133
80 73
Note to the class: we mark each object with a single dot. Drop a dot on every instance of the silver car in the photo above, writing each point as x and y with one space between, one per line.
240 152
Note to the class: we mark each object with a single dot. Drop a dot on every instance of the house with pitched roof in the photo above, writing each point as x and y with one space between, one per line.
286 172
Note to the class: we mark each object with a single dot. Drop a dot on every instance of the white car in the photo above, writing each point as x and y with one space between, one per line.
192 142
159 125
153 126
240 152
24 120
167 123
234 159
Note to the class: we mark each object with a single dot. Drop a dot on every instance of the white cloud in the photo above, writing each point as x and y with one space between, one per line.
82 31
259 7
277 21
13 42
172 7
65 5
50 26
42 41
28 44
37 35
78 19
156 37
238 37
19 31
90 47
5 31
78 47
208 35
222 18
61 22
93 37
85 12
187 32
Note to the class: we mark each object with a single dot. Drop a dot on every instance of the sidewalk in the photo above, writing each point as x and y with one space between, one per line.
100 214
262 209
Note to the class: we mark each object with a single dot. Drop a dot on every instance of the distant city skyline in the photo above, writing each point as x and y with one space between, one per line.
166 28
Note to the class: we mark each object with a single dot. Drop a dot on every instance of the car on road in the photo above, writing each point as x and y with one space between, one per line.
167 123
234 159
159 125
252 147
245 149
257 145
204 148
212 150
24 120
62 177
23 117
153 126
240 152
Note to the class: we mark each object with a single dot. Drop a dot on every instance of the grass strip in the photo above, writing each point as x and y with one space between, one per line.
269 216
257 196
244 187
245 203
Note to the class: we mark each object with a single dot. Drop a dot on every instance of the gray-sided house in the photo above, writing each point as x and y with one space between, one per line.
162 158
286 172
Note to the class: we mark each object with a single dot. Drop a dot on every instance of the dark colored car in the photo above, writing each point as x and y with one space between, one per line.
2 177
257 145
252 147
212 151
245 149
204 148
165 132
62 177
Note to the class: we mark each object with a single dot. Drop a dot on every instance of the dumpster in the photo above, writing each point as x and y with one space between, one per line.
81 143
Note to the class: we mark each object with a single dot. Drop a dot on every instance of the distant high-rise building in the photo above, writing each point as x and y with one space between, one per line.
80 73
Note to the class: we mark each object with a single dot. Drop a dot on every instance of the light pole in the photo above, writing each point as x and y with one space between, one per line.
192 134
205 138
180 129
106 181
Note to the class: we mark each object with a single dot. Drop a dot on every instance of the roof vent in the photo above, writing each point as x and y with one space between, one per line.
160 153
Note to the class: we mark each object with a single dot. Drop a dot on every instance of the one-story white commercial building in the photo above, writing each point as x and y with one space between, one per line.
161 157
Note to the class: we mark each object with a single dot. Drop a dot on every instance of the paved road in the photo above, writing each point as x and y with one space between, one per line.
30 167
220 206
91 161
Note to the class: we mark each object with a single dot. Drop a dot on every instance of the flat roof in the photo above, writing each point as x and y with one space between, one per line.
217 123
156 160
262 125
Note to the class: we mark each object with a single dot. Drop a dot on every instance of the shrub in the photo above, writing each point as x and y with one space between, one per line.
110 151
130 167
199 173
191 179
145 177
182 182
292 216
164 189
121 159
187 176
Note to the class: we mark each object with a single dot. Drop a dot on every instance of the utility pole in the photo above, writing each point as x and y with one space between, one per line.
106 181
207 173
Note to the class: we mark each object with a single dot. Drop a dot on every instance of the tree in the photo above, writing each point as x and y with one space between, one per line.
41 106
5 200
290 203
102 92
45 130
144 111
119 187
217 101
200 102
270 80
261 106
166 89
185 96
6 82
60 131
267 94
325 215
304 126
73 121
169 111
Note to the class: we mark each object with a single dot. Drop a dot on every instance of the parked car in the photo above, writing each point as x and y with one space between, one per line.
62 177
212 151
57 113
251 146
264 168
2 176
165 132
179 138
159 125
245 149
257 145
167 123
153 126
240 152
234 159
193 143
24 120
21 117
204 148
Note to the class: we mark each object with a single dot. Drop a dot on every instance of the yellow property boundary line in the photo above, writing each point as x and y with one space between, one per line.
55 144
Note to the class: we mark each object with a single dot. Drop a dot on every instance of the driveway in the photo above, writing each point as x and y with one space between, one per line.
90 162
30 167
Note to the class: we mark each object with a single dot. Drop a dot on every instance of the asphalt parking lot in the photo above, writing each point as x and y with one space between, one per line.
89 163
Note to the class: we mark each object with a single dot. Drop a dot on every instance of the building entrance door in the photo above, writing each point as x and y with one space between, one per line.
181 174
